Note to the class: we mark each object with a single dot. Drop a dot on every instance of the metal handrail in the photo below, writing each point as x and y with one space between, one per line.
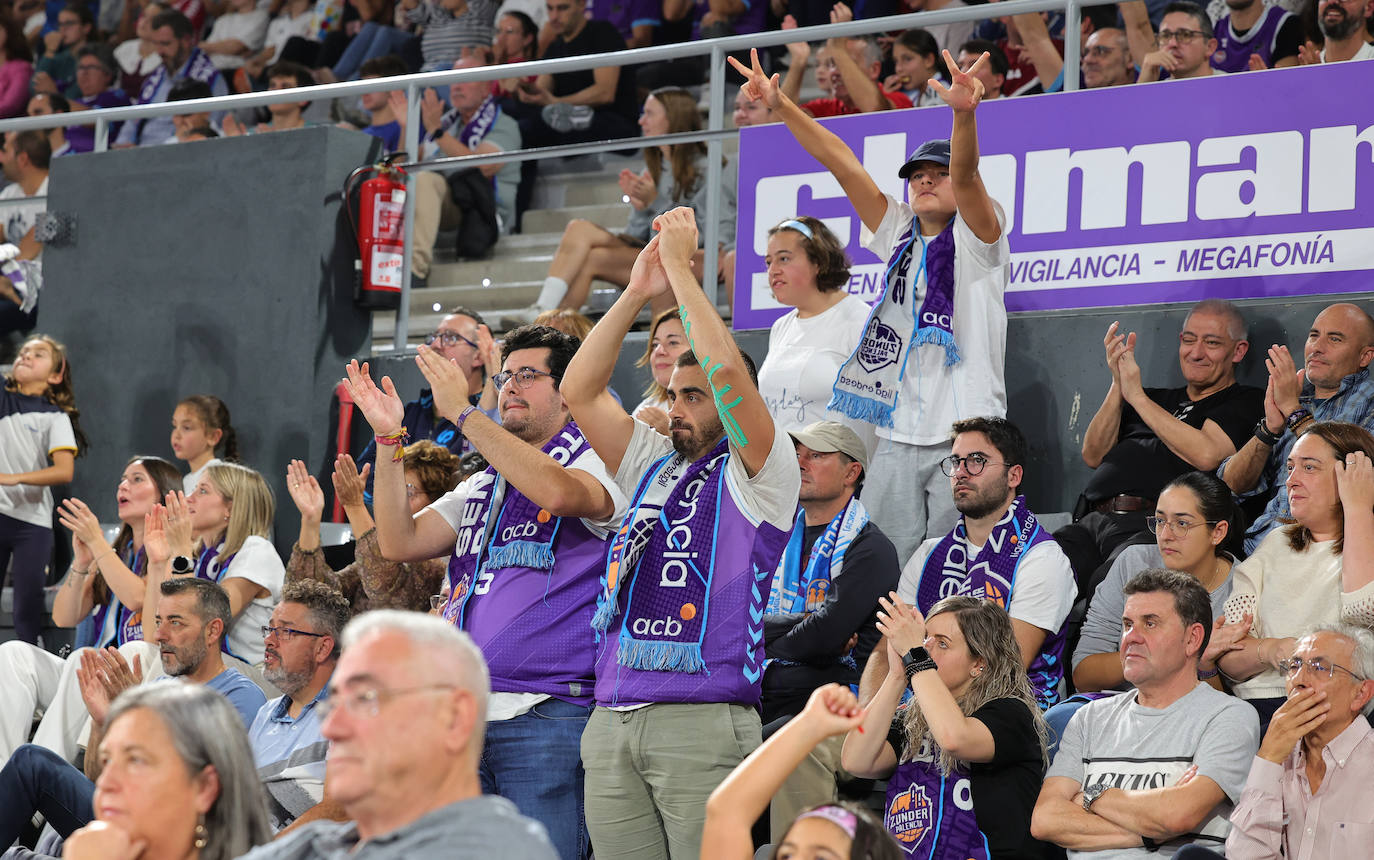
713 135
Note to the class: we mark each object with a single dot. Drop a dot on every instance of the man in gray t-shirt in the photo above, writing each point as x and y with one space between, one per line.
1146 772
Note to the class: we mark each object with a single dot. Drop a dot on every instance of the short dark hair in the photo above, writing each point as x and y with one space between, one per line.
103 53
385 66
920 41
287 69
81 11
464 311
329 609
180 24
562 347
1191 600
997 58
689 359
824 251
1200 16
185 89
1005 436
211 600
34 143
528 28
1215 503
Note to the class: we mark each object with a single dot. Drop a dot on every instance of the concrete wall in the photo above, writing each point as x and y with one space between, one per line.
211 267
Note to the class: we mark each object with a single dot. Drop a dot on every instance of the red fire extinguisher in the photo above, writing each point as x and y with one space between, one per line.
380 231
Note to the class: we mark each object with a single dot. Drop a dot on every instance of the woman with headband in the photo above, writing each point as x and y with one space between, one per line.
841 830
808 272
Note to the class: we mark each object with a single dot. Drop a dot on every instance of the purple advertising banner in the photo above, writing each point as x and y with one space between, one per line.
1238 186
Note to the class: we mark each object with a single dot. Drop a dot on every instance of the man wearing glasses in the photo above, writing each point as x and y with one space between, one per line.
527 538
1144 773
1308 793
1142 438
1184 46
463 339
996 551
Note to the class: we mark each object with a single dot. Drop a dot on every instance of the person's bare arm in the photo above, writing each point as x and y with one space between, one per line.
1029 638
1160 813
1039 47
824 145
601 92
1105 426
1140 34
325 810
963 95
1098 672
60 472
798 54
1060 818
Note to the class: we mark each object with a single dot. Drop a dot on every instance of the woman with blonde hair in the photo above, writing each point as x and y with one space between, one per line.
674 175
667 340
225 522
970 742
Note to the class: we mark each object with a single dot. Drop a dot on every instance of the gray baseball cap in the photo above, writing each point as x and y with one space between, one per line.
932 150
828 436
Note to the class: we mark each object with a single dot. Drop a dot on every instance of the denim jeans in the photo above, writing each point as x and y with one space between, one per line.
38 780
535 762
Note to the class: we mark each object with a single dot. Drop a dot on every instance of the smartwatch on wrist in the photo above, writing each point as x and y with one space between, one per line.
917 660
182 565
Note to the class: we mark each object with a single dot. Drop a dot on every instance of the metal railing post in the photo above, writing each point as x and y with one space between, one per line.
412 145
102 129
1073 44
715 122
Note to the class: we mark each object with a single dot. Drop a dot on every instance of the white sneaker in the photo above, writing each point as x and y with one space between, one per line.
524 316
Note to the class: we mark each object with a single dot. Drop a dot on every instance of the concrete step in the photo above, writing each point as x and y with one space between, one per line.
496 272
612 216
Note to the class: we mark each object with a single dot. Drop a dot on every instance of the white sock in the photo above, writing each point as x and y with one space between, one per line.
553 292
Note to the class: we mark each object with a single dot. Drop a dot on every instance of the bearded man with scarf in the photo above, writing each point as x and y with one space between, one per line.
822 616
934 345
687 577
997 551
527 539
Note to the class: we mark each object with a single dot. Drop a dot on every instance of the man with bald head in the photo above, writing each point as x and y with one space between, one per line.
1107 59
1334 385
404 719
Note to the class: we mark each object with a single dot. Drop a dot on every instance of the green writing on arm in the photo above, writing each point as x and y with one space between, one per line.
733 431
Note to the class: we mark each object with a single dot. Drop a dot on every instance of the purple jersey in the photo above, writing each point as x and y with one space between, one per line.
1233 53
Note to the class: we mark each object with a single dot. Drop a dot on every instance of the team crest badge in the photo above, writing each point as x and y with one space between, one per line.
909 817
880 346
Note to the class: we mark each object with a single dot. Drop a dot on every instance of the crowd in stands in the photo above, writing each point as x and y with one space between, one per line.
704 623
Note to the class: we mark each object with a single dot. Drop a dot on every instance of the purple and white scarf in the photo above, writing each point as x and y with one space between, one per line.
666 549
475 129
521 536
991 575
210 566
115 623
870 381
198 67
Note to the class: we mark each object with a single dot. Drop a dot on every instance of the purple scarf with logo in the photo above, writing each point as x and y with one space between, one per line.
198 67
926 815
870 381
115 623
991 575
522 535
665 541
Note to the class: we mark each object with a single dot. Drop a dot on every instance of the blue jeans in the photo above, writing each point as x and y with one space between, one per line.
38 780
373 40
535 762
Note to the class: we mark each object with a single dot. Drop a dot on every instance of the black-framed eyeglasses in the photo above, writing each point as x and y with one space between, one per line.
1319 666
1179 528
524 377
973 464
448 339
1180 36
286 634
368 703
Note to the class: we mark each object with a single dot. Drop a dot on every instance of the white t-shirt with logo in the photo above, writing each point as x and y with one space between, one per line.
804 357
934 396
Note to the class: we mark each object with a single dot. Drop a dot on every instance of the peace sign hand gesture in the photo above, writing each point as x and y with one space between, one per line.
965 90
756 84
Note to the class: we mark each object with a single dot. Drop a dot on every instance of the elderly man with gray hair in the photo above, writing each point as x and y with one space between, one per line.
404 719
1308 795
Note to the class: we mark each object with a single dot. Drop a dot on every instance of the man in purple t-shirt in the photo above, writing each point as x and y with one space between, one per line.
527 539
688 574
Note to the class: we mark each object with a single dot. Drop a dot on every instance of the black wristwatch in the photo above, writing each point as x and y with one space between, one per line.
1148 844
917 660
1265 435
182 565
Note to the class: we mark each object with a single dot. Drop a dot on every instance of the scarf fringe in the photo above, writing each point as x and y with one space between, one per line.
861 408
521 553
661 656
940 337
605 612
